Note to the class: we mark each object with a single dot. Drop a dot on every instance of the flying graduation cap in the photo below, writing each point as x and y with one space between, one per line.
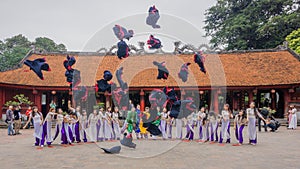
69 62
153 16
122 33
163 72
153 42
120 94
157 98
200 59
123 50
182 108
127 141
183 73
119 75
113 150
37 66
80 93
103 84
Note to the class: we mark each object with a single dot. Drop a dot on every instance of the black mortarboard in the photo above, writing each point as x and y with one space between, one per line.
103 86
123 50
113 150
183 73
153 43
37 66
69 62
127 141
153 17
199 59
163 72
122 33
119 74
107 75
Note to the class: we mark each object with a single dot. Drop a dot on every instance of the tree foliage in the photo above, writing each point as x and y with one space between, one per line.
294 40
251 24
14 49
18 100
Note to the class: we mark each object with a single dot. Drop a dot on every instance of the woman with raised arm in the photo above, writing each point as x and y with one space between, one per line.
47 128
59 123
252 113
37 123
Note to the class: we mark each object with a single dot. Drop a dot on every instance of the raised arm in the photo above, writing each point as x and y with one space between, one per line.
29 119
259 115
70 106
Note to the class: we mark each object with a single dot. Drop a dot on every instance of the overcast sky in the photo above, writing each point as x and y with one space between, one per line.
86 24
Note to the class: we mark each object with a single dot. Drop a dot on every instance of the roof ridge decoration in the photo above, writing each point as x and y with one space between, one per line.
178 49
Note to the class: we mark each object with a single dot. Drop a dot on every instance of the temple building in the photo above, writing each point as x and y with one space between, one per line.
268 77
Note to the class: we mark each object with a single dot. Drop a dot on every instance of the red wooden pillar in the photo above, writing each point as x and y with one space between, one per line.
107 99
286 97
182 97
142 100
2 100
37 99
250 94
216 100
273 103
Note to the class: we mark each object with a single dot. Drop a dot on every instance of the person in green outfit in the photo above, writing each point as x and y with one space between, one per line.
131 121
156 122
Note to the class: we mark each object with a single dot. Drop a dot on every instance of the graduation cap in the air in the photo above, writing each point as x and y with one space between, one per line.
120 94
102 86
152 128
153 43
75 77
153 16
163 72
200 59
182 108
113 150
69 62
107 75
80 93
127 141
123 50
122 33
121 98
37 66
171 94
183 73
157 98
119 75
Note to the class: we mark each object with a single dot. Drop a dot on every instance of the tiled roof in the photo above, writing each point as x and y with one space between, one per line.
230 69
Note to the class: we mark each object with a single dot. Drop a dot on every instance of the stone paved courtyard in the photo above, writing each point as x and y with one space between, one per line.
274 150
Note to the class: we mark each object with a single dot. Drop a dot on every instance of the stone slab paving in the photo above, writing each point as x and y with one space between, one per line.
274 150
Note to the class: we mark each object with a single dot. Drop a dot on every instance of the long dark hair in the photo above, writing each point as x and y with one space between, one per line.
244 114
33 112
229 110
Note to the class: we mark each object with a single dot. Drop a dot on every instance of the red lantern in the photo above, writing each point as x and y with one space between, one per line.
34 92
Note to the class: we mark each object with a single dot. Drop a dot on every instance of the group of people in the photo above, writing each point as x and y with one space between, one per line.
13 120
105 125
